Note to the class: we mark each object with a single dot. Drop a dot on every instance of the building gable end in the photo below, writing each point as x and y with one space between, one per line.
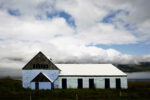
40 61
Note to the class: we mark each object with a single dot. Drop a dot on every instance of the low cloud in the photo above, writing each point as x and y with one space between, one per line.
16 59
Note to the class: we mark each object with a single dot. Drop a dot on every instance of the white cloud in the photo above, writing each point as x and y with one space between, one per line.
23 36
138 16
84 12
106 34
15 28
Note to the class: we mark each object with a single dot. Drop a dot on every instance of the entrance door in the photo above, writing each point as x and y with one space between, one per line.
118 83
91 83
80 83
36 85
107 83
52 86
64 83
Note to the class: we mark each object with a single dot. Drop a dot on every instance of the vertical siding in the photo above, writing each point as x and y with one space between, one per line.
42 85
28 75
32 85
112 82
85 82
124 83
71 83
56 83
99 82
45 85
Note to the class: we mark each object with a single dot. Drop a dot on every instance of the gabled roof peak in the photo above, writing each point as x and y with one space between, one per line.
40 52
40 61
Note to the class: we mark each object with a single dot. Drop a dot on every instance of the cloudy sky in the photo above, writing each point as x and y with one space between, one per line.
74 31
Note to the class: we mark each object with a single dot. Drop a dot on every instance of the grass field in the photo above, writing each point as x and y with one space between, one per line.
12 90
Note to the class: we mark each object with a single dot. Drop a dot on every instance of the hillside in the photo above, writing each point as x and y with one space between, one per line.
143 66
12 90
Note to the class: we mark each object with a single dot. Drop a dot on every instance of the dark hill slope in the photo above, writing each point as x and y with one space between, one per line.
143 66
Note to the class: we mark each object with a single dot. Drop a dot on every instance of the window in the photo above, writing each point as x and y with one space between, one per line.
80 83
118 83
91 83
64 83
107 83
40 66
46 66
34 66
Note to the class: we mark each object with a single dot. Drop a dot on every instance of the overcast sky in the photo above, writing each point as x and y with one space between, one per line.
74 31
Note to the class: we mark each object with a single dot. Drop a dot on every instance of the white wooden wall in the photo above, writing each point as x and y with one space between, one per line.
29 75
99 82
42 85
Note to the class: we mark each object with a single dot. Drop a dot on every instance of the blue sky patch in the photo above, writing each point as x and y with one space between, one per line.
64 15
133 49
113 14
15 12
110 16
130 27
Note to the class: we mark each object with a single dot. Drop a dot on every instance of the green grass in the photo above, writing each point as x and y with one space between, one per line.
12 90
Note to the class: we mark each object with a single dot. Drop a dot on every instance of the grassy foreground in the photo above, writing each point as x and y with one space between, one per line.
12 90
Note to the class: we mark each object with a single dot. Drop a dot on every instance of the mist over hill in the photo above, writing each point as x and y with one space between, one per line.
16 73
142 66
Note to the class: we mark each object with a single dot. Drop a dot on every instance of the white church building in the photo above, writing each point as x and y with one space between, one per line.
42 73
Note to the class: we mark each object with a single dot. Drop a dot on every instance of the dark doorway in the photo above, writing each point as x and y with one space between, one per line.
80 83
118 83
64 83
36 85
91 83
52 86
107 83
